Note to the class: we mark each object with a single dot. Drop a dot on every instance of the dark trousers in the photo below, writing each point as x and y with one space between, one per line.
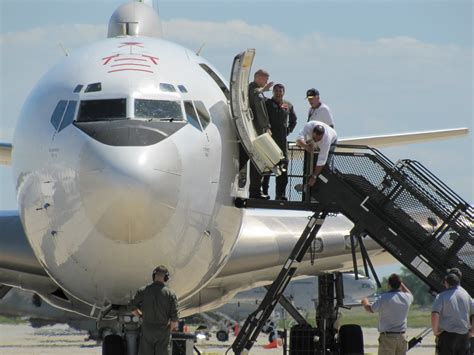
255 177
453 344
280 184
154 340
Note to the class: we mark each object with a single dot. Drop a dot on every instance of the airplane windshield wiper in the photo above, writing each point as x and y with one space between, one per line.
161 119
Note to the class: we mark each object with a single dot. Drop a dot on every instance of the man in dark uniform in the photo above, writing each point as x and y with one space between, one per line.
282 120
261 123
158 306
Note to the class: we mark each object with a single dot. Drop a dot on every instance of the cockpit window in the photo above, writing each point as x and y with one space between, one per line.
218 80
102 110
167 87
191 114
163 110
58 113
68 115
203 114
94 87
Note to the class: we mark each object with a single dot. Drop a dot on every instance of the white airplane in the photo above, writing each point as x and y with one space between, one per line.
303 294
125 156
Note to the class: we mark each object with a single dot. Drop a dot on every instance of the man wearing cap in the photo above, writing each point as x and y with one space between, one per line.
318 111
450 318
317 135
261 124
157 305
283 120
392 307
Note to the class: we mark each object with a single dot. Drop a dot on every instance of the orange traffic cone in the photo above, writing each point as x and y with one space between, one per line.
272 345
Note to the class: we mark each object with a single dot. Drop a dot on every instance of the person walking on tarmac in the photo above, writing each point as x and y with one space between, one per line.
317 135
282 120
157 305
450 318
392 307
318 111
261 124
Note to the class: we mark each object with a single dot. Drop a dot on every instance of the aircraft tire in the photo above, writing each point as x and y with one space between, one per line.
113 345
351 340
222 335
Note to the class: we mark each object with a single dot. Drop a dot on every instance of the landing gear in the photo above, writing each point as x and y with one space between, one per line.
124 341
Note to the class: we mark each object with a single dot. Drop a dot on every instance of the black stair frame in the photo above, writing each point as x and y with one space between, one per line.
366 214
374 211
256 320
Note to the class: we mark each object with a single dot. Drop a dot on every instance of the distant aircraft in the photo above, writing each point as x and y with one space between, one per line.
125 156
303 293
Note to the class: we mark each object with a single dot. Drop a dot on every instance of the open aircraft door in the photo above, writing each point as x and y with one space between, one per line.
262 149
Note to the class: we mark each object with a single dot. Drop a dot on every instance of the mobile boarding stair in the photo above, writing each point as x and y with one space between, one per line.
405 208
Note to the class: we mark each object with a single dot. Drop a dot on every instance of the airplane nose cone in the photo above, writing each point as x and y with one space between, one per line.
130 193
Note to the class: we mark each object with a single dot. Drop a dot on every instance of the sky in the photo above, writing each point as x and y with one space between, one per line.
382 66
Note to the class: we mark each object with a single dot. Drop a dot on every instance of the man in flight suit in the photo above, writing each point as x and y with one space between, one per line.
261 124
282 120
158 306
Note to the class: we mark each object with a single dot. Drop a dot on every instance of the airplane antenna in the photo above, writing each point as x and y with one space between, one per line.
198 52
66 53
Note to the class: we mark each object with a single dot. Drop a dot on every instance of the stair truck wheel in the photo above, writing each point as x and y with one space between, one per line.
222 335
351 340
113 345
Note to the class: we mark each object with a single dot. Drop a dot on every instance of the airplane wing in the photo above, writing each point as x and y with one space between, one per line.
5 153
391 140
20 268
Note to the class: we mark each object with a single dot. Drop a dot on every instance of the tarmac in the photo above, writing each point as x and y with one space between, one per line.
60 339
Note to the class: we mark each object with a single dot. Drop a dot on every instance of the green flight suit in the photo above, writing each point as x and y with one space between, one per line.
159 306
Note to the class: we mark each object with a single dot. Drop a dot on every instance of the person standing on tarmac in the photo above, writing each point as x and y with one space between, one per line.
318 111
157 305
282 120
450 318
392 307
261 123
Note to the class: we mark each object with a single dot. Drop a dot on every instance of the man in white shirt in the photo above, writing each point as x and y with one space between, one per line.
317 135
318 111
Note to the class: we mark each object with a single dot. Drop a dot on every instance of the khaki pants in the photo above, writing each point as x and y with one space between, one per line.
392 344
